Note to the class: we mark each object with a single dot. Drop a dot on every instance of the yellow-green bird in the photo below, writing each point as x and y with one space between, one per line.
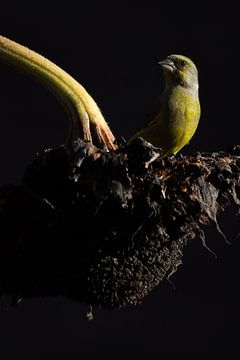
176 117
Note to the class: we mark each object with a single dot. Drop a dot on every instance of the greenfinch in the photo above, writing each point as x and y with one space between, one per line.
174 121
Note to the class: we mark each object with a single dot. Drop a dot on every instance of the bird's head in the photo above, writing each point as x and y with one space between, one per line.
180 70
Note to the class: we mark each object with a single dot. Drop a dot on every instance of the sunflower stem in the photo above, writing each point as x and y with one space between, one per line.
86 119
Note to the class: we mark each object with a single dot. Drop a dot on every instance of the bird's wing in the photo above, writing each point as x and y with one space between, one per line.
150 116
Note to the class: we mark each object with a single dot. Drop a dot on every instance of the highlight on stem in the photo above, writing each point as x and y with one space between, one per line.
86 119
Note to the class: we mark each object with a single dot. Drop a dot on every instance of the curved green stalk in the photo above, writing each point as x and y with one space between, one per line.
84 113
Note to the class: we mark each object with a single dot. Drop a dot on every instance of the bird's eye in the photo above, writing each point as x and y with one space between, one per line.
182 63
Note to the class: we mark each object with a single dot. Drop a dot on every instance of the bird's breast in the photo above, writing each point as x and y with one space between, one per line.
183 110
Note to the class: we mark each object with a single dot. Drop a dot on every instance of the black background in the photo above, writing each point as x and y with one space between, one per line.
112 48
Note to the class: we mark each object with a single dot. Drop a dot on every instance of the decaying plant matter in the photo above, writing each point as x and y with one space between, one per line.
104 228
105 225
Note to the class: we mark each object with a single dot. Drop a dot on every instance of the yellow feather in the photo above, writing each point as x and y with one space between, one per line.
174 123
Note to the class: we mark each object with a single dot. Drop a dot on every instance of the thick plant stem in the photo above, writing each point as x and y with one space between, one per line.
86 118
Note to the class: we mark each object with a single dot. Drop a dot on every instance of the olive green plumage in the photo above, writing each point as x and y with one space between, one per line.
176 117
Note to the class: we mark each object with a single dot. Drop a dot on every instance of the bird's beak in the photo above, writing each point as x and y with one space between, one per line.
167 64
